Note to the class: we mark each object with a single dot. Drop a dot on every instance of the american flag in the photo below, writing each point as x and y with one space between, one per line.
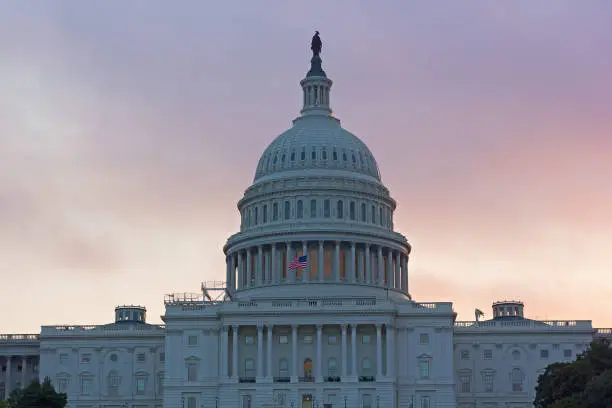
299 262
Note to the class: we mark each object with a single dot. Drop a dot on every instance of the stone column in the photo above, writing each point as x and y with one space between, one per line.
319 362
228 272
233 272
321 261
294 339
260 271
306 270
361 265
260 370
8 387
390 333
379 359
405 273
344 347
290 278
337 262
273 265
368 264
24 366
269 356
381 267
398 270
390 278
249 263
354 363
266 273
240 273
224 351
353 260
235 352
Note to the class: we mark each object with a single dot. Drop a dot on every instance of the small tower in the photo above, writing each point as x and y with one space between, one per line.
316 86
508 309
130 314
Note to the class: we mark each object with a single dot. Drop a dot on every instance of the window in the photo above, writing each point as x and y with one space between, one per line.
62 383
332 340
160 383
366 401
313 155
191 402
287 210
516 355
363 212
543 353
63 358
255 213
567 353
249 340
352 210
332 367
141 357
339 209
366 365
424 367
308 339
424 338
113 357
275 212
555 347
380 216
246 401
365 339
86 384
335 155
114 380
300 209
162 357
313 208
264 213
303 154
487 380
141 385
249 367
517 377
487 354
326 208
192 371
192 340
373 219
283 368
324 154
425 402
292 156
465 381
85 358
283 339
465 354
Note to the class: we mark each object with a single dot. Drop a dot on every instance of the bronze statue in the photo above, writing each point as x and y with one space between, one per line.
316 45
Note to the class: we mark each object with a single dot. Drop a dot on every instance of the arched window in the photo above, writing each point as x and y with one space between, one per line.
352 211
293 156
114 381
264 213
255 213
381 219
340 209
303 154
326 208
332 367
363 212
300 209
275 212
283 368
313 208
287 210
334 154
373 220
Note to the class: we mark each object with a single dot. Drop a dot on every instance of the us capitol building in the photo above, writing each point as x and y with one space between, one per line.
315 310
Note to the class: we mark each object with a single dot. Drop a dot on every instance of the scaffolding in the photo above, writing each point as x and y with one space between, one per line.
212 293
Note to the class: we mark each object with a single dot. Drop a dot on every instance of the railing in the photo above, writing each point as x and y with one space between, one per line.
332 379
101 329
183 298
602 332
21 338
284 379
249 380
307 378
545 324
367 378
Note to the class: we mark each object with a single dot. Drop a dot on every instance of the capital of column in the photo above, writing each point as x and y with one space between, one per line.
295 326
321 243
378 326
235 328
353 244
319 326
260 326
343 326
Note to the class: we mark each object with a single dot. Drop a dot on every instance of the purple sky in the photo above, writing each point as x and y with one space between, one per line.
129 130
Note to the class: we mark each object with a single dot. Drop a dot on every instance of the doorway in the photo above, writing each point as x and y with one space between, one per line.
307 401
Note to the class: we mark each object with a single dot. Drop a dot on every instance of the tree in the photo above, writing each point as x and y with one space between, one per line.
584 383
37 395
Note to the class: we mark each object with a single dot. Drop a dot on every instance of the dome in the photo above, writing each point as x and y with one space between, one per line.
319 143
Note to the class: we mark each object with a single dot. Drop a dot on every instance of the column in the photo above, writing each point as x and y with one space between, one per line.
368 264
269 356
267 276
390 279
259 351
305 271
235 352
319 361
353 261
249 267
405 273
390 333
23 372
224 351
354 362
398 270
288 261
379 359
233 272
321 262
8 385
228 272
260 271
273 265
344 347
381 267
294 333
361 265
337 262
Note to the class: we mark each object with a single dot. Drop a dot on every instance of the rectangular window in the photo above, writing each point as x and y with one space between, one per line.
141 357
363 212
275 212
300 209
567 353
249 367
62 385
246 401
313 208
162 357
373 220
249 340
192 340
332 340
308 339
63 359
192 372
425 402
141 385
424 338
283 339
191 402
352 211
264 214
487 379
365 339
326 208
255 214
86 385
366 401
424 368
543 353
487 354
85 358
287 210
466 382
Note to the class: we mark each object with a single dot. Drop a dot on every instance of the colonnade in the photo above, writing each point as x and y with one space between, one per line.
15 373
347 330
327 261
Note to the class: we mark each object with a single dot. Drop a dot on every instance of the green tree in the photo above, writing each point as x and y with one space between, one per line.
37 395
584 383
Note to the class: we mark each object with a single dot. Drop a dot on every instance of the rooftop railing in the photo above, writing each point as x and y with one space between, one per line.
602 332
19 338
543 324
102 329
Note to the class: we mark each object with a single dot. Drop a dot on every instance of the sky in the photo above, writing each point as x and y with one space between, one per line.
129 131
